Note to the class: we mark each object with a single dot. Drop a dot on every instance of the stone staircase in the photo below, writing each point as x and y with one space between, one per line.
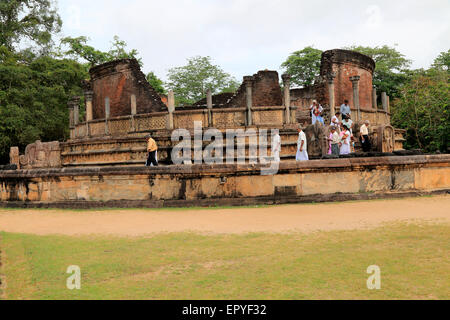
128 151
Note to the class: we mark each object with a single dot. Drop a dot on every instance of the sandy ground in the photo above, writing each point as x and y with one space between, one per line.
303 217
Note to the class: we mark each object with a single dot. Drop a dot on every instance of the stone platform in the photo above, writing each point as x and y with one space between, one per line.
211 185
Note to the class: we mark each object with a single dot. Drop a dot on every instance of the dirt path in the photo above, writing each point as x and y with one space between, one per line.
304 217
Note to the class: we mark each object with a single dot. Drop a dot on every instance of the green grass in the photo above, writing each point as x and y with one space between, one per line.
414 262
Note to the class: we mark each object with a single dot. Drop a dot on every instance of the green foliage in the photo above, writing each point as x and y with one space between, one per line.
391 68
156 83
191 81
32 20
78 48
34 91
442 62
423 110
303 66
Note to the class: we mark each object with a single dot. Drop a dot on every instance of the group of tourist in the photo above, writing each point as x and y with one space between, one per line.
341 140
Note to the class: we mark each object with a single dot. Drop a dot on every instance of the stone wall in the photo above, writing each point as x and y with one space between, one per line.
226 184
118 80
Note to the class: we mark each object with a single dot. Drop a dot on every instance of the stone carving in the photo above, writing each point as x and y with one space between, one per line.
41 155
386 139
317 141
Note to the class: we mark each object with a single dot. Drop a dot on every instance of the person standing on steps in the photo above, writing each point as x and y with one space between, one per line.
152 149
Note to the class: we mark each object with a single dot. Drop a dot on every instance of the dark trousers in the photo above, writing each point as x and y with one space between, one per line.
335 149
151 160
366 144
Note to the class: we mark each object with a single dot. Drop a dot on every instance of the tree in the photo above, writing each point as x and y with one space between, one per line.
156 83
78 48
442 62
391 68
422 108
191 81
34 20
34 91
303 66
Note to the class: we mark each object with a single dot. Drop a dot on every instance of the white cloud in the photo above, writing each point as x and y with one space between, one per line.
244 36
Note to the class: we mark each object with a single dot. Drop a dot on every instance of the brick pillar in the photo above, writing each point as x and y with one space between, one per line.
209 104
171 107
331 76
374 98
355 84
107 113
248 80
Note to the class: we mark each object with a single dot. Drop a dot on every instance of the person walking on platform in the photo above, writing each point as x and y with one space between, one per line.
152 149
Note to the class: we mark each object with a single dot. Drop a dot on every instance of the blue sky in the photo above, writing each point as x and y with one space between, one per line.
244 36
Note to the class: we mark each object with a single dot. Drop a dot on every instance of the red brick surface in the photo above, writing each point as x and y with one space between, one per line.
118 80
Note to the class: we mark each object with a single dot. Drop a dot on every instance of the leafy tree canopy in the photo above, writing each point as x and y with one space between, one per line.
391 67
156 83
303 66
32 20
422 108
191 81
442 62
78 48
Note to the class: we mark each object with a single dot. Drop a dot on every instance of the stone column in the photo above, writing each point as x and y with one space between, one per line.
88 96
133 112
107 113
76 110
384 101
287 96
71 118
248 80
14 156
355 83
331 76
209 104
171 108
374 98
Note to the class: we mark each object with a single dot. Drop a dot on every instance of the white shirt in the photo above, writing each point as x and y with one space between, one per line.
335 121
364 130
302 137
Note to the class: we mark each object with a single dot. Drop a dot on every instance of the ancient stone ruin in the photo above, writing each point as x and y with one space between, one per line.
122 108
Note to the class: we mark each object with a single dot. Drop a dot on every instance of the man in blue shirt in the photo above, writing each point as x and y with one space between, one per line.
345 110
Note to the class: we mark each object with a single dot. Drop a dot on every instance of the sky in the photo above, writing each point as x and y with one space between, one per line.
245 36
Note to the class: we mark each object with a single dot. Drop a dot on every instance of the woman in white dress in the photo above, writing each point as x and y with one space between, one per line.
302 146
345 144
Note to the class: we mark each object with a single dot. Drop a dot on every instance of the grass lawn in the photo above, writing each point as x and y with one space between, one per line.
414 261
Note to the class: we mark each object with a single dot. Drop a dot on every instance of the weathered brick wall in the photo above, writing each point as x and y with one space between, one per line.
118 80
266 91
347 64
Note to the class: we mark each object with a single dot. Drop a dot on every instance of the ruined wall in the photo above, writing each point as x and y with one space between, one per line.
266 91
118 80
226 184
347 64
